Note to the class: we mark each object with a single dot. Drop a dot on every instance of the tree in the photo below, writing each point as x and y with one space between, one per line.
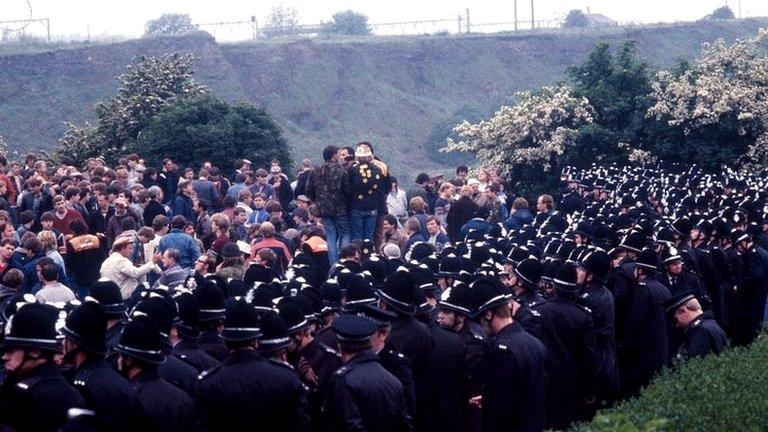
721 13
193 130
576 19
281 21
169 24
617 87
715 110
524 142
147 87
348 23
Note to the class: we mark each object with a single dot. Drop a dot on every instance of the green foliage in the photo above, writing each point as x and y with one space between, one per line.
444 130
170 24
347 23
617 86
717 393
147 87
281 21
204 128
576 19
723 12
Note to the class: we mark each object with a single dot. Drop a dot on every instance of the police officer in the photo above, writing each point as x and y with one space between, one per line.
363 395
34 396
111 396
524 281
513 395
646 350
444 406
455 311
701 333
167 407
160 308
247 389
569 337
752 287
592 271
410 336
185 334
107 293
211 300
394 362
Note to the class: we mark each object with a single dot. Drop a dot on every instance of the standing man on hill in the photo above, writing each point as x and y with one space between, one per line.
327 187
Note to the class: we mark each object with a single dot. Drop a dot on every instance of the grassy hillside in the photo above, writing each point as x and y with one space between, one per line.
401 93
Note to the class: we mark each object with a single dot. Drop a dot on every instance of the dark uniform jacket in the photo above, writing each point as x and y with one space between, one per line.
702 336
179 373
599 301
38 402
190 352
322 361
211 343
365 397
248 392
569 337
621 281
527 315
111 396
113 335
445 406
515 386
400 367
752 291
167 407
646 351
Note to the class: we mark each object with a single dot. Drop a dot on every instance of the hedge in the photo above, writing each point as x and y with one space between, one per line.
728 392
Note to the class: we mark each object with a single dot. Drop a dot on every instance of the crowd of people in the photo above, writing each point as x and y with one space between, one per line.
136 298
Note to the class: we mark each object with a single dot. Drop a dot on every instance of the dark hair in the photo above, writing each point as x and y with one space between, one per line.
70 192
159 222
78 227
329 152
354 347
27 216
128 224
202 205
391 219
422 178
349 251
273 206
46 216
49 272
230 201
13 278
461 168
240 178
178 222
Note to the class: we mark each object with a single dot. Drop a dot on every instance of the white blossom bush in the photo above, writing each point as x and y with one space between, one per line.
727 85
534 132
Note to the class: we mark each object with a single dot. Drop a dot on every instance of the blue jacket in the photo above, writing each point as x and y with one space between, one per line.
518 219
176 239
183 206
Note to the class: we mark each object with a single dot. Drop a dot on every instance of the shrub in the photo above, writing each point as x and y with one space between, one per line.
716 393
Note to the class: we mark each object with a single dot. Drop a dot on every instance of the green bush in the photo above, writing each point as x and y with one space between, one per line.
716 393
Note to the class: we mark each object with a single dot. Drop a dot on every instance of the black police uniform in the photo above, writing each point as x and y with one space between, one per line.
599 301
444 407
39 402
211 343
412 339
179 373
477 353
569 337
189 351
247 391
752 292
621 281
167 407
514 391
323 361
113 335
527 315
364 396
400 366
646 350
702 336
111 396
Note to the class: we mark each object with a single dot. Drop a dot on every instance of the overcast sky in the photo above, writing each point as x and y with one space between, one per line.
127 18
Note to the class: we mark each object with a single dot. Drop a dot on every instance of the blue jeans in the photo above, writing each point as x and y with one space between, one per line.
363 224
337 235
